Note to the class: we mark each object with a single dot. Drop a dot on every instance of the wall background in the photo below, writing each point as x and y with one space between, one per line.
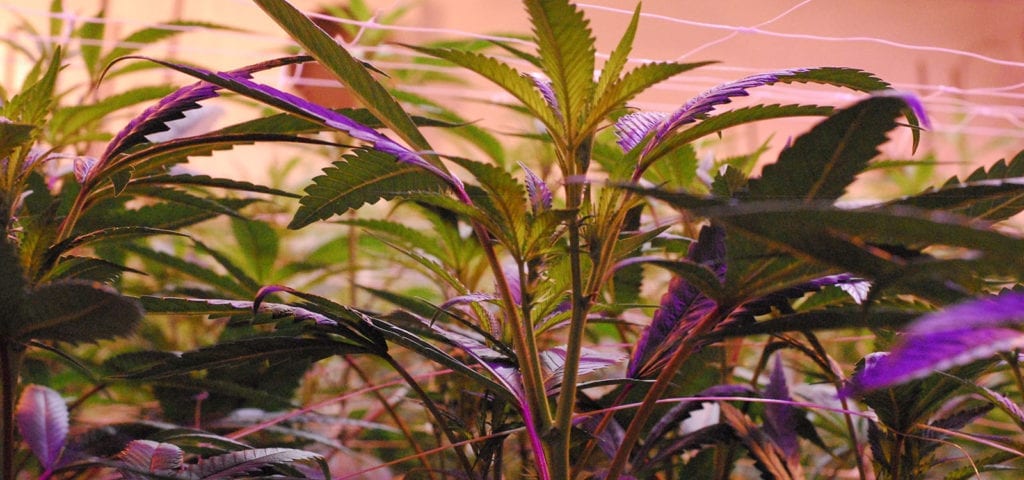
965 59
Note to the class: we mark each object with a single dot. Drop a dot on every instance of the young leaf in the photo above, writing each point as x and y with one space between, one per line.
144 459
567 51
230 465
820 164
42 418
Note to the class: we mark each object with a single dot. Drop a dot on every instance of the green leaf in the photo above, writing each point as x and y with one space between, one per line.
86 268
225 283
636 81
618 58
111 212
992 200
363 177
67 122
416 344
824 161
139 39
258 244
995 194
505 77
90 36
816 232
504 194
14 135
246 351
158 156
35 101
349 71
76 311
400 233
479 137
567 52
207 181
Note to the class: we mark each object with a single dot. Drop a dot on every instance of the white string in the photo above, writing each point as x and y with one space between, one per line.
986 111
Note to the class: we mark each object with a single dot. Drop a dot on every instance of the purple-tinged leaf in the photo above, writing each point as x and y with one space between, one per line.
297 105
155 118
144 459
918 355
83 166
42 418
700 105
467 299
173 107
1000 310
553 362
779 421
680 306
1006 404
631 129
540 194
235 464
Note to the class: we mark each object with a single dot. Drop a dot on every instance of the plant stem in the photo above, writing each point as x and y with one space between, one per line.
10 363
467 466
658 389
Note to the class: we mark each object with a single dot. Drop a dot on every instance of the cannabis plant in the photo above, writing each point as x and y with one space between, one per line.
531 283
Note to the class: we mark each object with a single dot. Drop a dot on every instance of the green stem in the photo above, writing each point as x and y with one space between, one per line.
522 338
10 364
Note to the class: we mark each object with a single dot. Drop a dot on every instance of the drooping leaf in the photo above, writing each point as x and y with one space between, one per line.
208 181
361 178
240 352
76 311
951 337
42 418
821 163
